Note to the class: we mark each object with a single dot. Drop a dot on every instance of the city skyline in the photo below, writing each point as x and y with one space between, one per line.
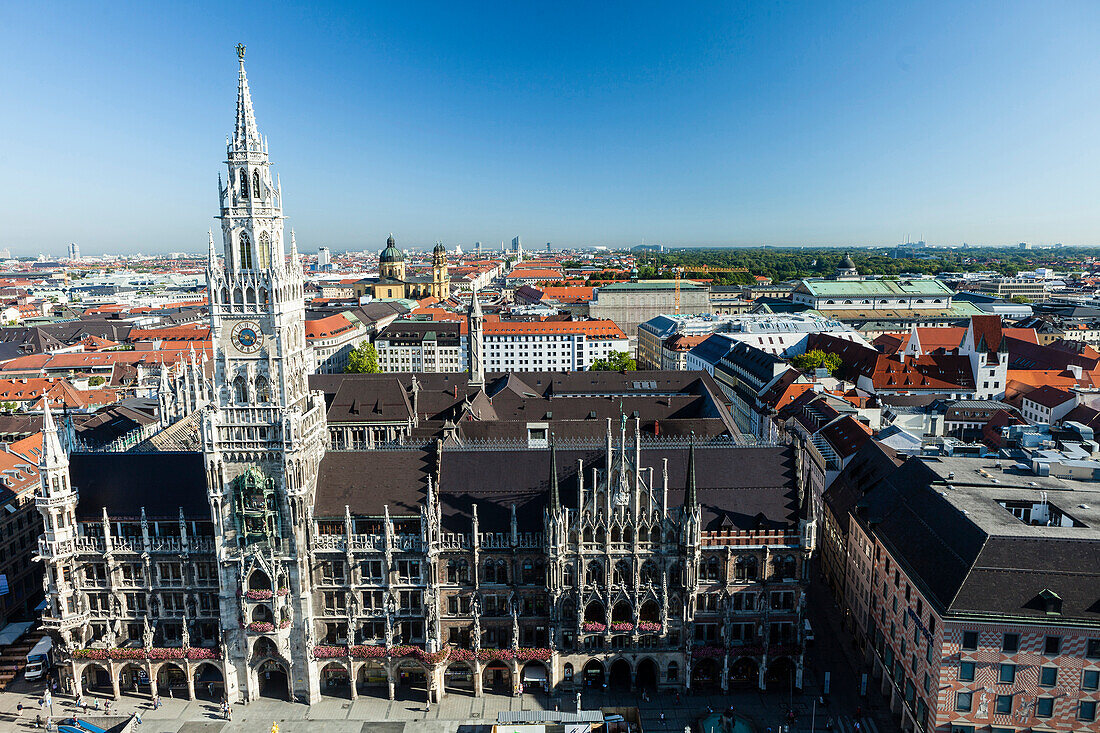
715 126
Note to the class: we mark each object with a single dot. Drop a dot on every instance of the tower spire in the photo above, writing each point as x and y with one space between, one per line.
475 342
52 453
555 496
212 256
246 136
691 498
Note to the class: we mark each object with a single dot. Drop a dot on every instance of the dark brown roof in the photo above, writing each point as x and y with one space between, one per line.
1048 396
760 493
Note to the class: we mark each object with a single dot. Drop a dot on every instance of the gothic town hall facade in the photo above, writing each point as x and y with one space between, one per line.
293 535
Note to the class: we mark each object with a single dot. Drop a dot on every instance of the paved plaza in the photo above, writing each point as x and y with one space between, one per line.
463 713
458 713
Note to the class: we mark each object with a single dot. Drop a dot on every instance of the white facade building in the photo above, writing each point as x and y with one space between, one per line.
507 346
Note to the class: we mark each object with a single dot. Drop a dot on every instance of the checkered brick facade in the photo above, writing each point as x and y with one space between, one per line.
903 624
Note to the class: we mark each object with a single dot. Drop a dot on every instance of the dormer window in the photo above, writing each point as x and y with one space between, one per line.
1052 604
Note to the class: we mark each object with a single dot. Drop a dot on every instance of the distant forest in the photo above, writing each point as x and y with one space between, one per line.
788 264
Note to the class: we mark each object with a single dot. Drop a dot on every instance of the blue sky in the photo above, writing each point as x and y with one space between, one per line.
692 123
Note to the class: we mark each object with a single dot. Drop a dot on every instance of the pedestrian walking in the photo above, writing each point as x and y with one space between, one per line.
19 711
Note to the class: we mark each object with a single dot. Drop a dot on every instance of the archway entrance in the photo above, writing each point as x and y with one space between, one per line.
209 683
172 681
96 680
335 681
274 681
535 677
497 678
618 677
593 674
645 677
705 674
134 680
459 678
745 672
780 674
412 682
371 679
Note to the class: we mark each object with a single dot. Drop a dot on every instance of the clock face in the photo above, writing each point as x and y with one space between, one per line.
247 337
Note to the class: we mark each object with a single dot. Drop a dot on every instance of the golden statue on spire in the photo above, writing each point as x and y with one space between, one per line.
240 51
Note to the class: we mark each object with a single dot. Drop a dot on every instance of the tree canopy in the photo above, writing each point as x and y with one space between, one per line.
816 359
616 361
363 359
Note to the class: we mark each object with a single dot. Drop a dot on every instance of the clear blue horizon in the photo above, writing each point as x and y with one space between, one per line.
695 124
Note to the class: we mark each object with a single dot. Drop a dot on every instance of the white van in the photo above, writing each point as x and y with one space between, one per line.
39 659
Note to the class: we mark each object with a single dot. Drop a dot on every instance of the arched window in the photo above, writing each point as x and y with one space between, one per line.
673 672
708 569
240 392
246 252
593 574
745 569
490 572
244 185
650 574
622 574
256 184
676 576
263 389
568 579
265 251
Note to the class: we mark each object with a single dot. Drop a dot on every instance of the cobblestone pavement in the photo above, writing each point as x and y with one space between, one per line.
457 713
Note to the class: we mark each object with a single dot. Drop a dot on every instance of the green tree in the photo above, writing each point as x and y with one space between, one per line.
363 359
616 361
1021 299
817 359
96 381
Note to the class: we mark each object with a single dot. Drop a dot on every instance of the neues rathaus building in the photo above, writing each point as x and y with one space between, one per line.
292 535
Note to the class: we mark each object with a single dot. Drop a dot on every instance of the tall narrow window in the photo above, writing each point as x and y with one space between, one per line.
256 184
246 252
244 185
265 251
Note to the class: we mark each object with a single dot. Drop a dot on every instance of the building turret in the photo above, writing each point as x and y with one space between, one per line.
56 502
846 270
441 279
475 342
391 262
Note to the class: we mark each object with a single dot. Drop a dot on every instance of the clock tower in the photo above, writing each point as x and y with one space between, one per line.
264 436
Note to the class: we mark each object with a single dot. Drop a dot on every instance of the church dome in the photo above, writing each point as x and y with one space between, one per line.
391 253
847 263
439 249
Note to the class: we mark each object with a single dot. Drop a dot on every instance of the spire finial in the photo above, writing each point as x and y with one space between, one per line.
690 492
245 134
555 496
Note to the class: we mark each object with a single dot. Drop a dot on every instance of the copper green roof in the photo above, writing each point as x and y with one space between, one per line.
876 288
